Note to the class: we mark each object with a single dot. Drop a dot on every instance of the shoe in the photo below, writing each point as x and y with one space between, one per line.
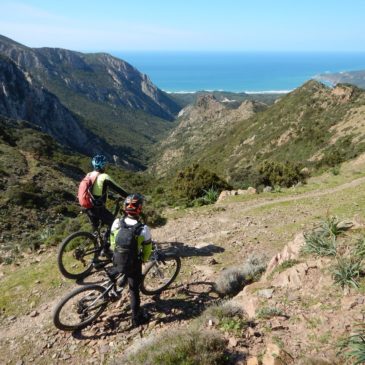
106 252
140 319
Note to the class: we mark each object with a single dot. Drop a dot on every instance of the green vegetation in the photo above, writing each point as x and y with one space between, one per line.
194 182
280 174
266 312
353 347
347 271
182 347
232 280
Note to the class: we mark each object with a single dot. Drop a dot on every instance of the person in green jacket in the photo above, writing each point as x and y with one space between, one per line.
132 244
103 183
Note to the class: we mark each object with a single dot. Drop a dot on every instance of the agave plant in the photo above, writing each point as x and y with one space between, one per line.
347 271
333 227
319 244
353 347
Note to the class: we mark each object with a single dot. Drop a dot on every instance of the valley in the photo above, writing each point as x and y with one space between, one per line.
227 232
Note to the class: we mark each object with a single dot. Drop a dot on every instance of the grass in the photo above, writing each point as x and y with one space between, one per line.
181 347
26 285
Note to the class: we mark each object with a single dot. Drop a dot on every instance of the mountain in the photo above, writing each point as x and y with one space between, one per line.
114 100
22 98
356 78
314 125
200 126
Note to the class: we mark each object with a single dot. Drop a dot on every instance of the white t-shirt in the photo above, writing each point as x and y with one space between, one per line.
145 231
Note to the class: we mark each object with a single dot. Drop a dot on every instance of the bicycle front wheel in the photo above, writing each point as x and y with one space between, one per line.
80 307
158 275
76 255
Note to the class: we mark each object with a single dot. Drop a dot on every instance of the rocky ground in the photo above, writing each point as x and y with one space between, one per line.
209 239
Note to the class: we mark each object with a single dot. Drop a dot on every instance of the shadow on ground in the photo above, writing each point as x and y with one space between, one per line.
184 250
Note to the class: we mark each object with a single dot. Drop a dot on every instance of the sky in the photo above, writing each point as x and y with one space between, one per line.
186 25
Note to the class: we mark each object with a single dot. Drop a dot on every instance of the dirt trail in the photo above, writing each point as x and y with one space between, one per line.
218 235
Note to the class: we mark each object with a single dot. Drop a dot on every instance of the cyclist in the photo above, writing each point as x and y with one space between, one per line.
99 192
132 244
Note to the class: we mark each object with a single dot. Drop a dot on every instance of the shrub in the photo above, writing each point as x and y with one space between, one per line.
192 183
232 280
180 347
274 173
225 316
269 312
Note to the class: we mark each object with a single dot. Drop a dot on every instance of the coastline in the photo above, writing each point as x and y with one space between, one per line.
231 92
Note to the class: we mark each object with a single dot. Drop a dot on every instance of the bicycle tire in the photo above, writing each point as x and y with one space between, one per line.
72 253
158 275
66 311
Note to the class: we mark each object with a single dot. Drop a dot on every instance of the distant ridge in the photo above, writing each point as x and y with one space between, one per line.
112 98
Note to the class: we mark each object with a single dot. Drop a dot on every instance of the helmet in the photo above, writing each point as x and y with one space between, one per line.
133 204
99 162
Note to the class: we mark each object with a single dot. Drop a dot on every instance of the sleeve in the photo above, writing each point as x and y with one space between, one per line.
113 233
146 244
111 184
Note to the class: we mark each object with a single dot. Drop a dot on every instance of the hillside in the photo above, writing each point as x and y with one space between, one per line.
38 186
201 125
22 98
305 321
112 98
314 125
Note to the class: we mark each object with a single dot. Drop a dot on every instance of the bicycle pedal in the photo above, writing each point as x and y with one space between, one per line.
113 295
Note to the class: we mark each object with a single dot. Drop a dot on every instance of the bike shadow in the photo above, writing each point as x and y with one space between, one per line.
176 304
184 250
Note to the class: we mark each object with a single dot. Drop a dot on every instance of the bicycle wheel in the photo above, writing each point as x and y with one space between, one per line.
80 307
76 255
158 275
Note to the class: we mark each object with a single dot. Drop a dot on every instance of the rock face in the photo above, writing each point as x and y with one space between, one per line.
22 98
98 77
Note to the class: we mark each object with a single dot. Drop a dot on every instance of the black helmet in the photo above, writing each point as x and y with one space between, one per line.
133 204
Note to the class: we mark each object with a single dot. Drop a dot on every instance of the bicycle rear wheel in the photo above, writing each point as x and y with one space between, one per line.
76 255
80 307
158 275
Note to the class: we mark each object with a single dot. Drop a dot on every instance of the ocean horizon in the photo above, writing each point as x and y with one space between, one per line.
249 72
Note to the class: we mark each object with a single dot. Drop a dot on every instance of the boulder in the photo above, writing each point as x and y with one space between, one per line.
289 252
274 355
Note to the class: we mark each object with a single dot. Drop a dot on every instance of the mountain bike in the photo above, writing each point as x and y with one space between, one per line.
85 304
79 253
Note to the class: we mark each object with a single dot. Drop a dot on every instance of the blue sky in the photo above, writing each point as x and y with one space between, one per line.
180 25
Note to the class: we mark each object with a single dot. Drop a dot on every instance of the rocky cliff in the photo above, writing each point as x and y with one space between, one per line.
22 98
97 77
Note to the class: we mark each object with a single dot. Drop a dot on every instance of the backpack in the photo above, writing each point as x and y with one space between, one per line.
84 195
126 255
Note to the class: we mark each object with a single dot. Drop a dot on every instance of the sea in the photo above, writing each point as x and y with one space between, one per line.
252 72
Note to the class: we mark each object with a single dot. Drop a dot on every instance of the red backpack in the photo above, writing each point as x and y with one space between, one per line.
84 194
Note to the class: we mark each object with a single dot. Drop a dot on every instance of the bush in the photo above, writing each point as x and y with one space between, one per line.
232 280
192 183
283 174
225 316
181 347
